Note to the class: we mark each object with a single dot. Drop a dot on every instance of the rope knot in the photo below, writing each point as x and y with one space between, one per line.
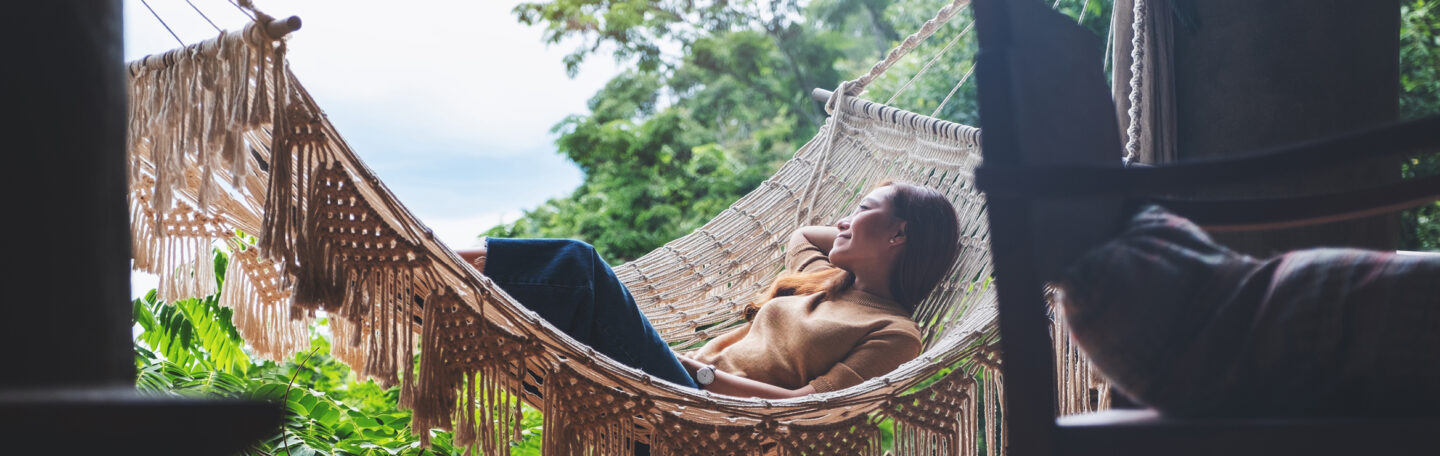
838 96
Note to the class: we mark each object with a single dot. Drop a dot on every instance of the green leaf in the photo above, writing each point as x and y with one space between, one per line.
221 263
302 450
269 392
142 314
347 447
297 408
362 421
325 413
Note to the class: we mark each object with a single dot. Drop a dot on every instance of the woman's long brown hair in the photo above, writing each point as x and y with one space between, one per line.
932 244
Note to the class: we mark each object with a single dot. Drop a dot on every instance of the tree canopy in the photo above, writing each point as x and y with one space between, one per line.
718 98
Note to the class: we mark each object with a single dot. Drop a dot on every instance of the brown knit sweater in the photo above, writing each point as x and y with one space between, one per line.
830 344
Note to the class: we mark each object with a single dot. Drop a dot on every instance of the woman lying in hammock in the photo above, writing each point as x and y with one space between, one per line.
838 316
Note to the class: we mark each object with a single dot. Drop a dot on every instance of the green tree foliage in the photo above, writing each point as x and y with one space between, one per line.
637 30
1419 58
191 348
718 98
1419 97
667 146
675 140
649 176
192 333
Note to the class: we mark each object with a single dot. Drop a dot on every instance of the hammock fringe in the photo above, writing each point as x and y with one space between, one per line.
189 112
262 312
223 138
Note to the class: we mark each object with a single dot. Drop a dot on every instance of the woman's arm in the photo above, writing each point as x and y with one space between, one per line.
735 385
822 237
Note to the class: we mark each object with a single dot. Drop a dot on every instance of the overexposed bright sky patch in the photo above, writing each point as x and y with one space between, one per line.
449 101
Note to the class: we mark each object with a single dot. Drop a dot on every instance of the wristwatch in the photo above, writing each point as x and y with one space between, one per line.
704 376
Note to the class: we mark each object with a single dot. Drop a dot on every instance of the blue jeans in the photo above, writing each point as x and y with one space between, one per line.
568 284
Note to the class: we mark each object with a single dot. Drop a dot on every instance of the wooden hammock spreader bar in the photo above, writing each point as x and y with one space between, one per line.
920 123
277 29
274 30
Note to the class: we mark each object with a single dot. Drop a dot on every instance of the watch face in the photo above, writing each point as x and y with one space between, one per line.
705 375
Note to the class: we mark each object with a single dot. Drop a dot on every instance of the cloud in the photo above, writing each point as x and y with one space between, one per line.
464 232
455 187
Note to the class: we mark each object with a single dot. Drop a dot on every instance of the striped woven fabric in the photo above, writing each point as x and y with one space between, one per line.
1192 328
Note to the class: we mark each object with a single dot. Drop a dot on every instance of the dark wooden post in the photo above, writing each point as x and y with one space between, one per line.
69 376
1029 378
68 318
1030 119
1250 74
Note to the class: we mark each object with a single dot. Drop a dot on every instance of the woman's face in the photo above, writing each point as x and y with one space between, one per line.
871 234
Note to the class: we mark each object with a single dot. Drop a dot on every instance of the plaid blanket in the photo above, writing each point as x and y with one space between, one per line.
1192 328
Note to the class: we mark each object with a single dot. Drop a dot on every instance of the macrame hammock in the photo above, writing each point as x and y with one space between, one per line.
223 138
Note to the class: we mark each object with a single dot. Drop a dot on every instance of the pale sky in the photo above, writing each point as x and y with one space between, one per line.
450 102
